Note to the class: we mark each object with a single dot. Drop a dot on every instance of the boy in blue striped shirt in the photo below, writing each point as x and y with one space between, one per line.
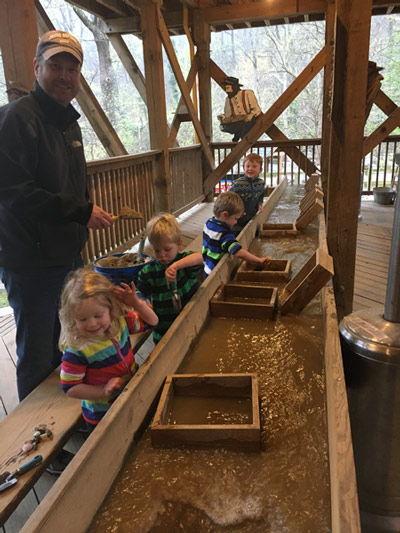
218 237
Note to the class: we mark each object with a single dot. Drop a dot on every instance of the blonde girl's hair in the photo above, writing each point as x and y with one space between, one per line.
83 284
229 202
163 227
256 158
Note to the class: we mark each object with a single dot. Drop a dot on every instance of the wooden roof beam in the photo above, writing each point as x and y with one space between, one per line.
131 24
116 6
229 14
133 4
190 3
92 6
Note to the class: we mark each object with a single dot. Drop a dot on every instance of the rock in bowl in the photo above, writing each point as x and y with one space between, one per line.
121 267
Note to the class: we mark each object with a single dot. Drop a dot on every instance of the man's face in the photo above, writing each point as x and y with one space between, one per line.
228 89
59 77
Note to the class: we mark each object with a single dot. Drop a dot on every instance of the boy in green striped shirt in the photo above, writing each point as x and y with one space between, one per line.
171 268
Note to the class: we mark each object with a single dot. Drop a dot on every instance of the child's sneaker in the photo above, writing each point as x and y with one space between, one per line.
60 462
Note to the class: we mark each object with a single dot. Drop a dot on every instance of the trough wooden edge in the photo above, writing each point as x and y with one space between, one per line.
94 466
345 514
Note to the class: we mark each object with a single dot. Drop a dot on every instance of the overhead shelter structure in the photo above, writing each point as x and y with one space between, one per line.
343 58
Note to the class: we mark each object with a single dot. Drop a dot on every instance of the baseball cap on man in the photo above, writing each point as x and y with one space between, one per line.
54 42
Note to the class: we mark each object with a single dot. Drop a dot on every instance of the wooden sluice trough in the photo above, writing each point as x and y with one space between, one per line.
244 301
311 205
279 230
166 431
95 467
275 270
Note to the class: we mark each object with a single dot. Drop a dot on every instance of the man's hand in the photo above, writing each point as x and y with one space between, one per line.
99 218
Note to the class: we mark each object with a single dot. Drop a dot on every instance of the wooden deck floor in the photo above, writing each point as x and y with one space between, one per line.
373 250
374 238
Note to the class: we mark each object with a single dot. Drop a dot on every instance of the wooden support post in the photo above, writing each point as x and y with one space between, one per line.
348 118
18 40
202 39
156 105
327 94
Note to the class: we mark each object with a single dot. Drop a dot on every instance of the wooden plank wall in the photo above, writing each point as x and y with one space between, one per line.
185 166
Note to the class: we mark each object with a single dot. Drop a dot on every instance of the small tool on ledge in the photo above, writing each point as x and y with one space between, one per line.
12 478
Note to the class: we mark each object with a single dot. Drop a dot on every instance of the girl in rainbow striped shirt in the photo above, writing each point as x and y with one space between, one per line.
96 322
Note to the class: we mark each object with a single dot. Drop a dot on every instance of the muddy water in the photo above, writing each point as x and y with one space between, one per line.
282 489
211 410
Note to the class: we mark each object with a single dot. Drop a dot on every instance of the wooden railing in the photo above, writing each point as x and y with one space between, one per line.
114 183
129 180
187 185
380 168
276 162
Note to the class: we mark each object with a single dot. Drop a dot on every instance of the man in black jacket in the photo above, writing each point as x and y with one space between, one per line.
44 205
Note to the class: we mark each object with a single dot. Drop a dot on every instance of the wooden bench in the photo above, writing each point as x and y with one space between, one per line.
48 405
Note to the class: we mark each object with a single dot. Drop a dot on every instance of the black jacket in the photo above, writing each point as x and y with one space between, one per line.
44 205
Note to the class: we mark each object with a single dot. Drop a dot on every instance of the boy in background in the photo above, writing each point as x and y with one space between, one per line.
218 237
171 270
250 188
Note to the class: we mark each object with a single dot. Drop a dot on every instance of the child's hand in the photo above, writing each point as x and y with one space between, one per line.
260 208
114 384
126 294
171 271
265 260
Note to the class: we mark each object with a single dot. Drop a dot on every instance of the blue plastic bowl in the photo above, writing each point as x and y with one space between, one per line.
116 274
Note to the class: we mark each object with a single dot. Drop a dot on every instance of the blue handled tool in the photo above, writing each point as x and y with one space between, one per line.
12 478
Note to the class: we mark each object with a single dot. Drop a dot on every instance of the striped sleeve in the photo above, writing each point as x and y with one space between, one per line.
73 369
135 323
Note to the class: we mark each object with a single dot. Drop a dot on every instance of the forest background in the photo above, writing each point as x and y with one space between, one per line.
265 59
